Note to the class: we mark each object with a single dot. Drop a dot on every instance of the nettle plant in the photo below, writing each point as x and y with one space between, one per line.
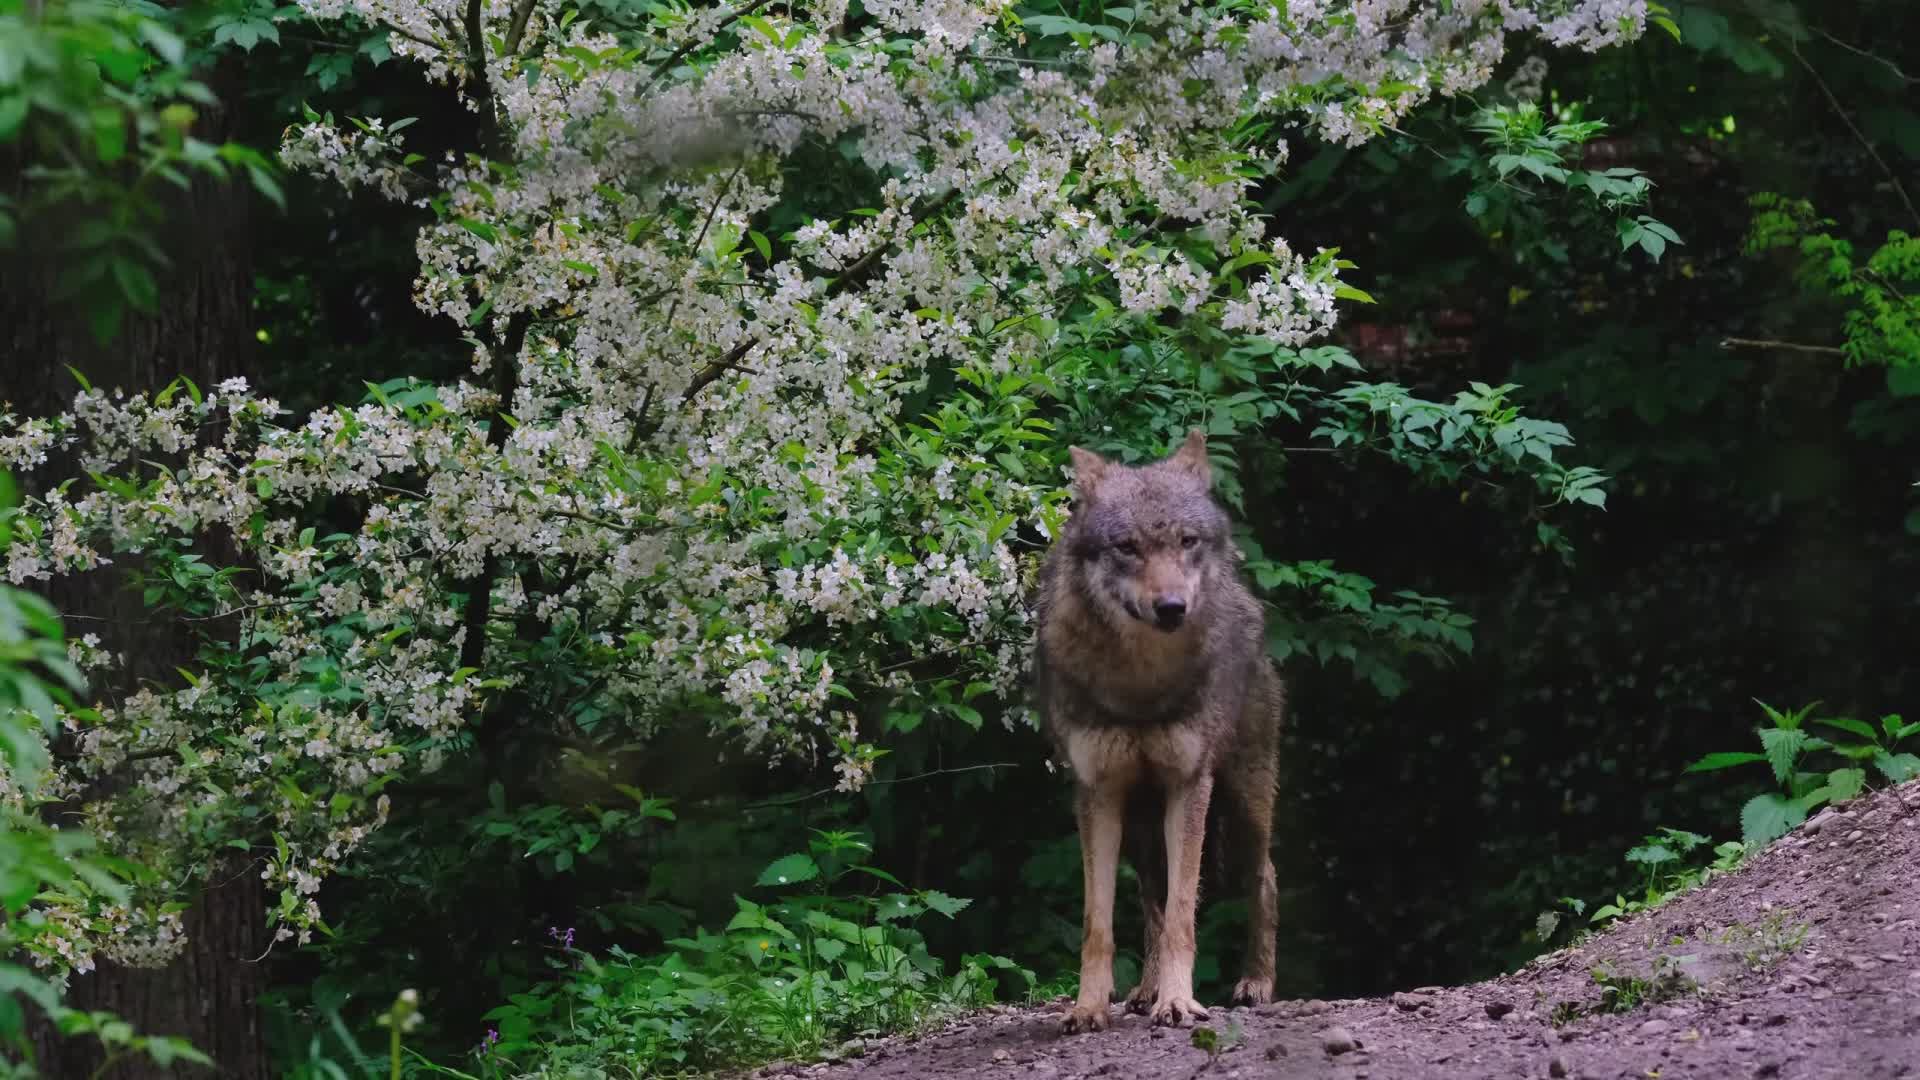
1814 770
763 433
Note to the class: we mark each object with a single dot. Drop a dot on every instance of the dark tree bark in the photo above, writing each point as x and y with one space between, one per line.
202 329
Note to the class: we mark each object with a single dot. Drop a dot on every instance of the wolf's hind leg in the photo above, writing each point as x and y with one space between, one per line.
1250 831
1146 849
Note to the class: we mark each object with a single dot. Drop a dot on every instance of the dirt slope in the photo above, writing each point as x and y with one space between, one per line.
1802 965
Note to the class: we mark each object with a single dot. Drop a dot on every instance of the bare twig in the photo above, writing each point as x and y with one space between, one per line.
1898 188
1793 346
1875 57
810 796
701 238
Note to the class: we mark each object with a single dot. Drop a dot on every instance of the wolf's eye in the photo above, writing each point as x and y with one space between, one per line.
1189 541
1128 548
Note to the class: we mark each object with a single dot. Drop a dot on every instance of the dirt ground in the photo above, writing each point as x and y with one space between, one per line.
1802 964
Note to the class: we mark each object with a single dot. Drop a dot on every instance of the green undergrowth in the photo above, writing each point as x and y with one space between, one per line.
819 966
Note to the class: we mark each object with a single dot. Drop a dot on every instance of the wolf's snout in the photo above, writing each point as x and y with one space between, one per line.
1168 610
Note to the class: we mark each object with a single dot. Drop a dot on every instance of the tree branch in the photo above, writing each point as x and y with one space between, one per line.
482 86
855 271
707 375
517 29
680 53
506 378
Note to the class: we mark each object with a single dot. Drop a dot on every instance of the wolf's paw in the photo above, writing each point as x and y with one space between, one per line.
1252 992
1177 1011
1140 998
1085 1018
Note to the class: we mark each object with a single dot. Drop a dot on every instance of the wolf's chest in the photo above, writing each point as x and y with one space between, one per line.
1164 754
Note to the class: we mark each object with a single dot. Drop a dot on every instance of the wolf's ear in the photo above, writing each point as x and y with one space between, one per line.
1088 468
1191 458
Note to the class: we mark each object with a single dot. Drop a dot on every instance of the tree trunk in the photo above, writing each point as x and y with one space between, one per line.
210 994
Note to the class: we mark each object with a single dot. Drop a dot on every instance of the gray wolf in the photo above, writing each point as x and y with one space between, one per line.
1152 677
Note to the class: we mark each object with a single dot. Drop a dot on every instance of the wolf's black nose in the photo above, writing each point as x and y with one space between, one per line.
1169 610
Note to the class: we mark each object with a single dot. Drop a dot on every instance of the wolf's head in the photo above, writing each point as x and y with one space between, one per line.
1147 540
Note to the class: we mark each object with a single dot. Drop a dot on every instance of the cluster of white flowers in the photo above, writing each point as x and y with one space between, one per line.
365 158
709 491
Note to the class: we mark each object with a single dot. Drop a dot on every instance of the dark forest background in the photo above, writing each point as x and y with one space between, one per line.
1757 546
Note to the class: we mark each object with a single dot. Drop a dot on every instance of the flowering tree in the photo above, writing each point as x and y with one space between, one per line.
782 317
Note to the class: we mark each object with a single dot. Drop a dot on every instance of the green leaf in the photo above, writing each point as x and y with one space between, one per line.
13 111
789 870
163 41
1848 724
944 904
1783 746
15 979
1768 817
480 229
1725 760
1844 784
894 906
109 134
136 284
103 318
1053 25
166 1049
1651 854
247 33
1898 768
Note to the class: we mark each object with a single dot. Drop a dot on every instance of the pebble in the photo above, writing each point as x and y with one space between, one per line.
1337 1041
1410 1002
1655 1027
1498 1009
1557 1067
1001 1055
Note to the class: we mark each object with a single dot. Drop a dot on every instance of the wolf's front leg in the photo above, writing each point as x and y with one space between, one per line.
1186 830
1099 810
